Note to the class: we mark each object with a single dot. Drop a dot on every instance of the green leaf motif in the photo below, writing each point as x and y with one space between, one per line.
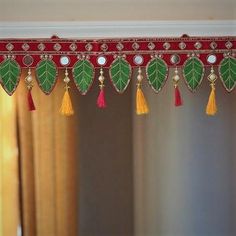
46 73
193 72
120 73
83 73
157 72
9 75
227 71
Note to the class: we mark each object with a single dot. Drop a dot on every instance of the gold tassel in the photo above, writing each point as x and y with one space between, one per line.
211 108
66 106
141 103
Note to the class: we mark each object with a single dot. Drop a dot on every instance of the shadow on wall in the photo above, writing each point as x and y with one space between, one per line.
106 175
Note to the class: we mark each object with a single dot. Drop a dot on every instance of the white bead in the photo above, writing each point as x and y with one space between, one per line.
66 79
29 78
176 78
101 78
212 77
139 78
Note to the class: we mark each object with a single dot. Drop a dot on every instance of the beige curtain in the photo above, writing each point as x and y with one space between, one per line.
9 184
47 153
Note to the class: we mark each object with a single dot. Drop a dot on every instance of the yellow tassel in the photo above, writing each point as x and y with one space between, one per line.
66 106
141 103
211 108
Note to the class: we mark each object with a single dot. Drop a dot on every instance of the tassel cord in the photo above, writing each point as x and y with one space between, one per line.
66 108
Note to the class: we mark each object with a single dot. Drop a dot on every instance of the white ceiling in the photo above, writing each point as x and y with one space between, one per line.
108 10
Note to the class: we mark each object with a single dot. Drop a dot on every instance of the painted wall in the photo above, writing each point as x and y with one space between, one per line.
185 165
107 10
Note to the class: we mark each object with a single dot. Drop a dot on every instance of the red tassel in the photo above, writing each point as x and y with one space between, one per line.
30 101
178 99
101 103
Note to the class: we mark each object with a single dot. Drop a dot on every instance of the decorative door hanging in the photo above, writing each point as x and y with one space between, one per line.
153 57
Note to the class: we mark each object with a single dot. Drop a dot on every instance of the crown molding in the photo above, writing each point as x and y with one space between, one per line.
112 29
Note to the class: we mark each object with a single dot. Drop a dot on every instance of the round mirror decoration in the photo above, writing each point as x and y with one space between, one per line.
174 59
211 59
28 60
101 60
65 60
138 60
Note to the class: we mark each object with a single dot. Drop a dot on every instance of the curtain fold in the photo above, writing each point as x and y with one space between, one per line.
9 184
49 163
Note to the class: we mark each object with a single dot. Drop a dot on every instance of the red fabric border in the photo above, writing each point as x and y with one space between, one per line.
112 50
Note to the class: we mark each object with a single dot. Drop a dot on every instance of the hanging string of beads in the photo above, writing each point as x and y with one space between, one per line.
66 106
141 103
176 79
211 108
29 84
101 102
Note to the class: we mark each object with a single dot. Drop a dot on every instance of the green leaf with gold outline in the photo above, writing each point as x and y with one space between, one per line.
9 75
46 73
157 72
83 73
193 72
227 71
120 72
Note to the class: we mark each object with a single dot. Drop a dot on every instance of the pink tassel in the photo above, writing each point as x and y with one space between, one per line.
101 103
178 99
30 101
